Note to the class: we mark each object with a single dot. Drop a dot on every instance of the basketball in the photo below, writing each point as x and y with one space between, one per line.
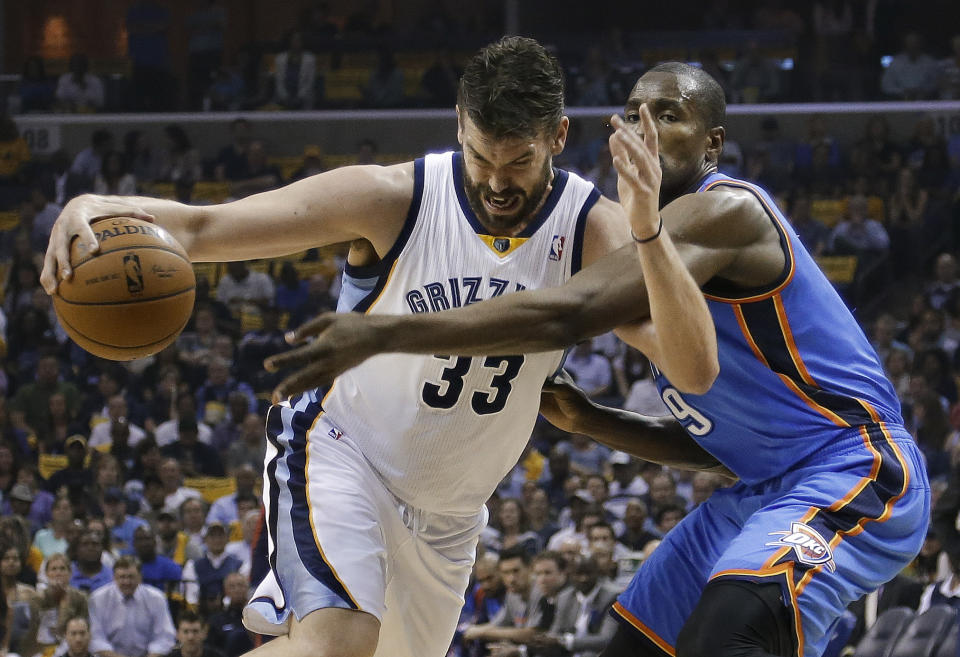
133 297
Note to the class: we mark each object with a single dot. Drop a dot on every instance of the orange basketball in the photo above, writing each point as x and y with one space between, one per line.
133 297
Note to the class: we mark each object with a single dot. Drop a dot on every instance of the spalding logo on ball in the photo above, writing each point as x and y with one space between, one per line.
133 297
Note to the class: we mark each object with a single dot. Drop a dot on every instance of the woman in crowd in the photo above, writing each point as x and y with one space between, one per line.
54 539
114 178
22 602
511 529
58 603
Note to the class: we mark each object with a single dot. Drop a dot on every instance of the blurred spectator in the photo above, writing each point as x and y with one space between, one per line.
79 90
906 209
75 476
230 429
291 292
117 412
175 493
22 601
813 234
192 632
196 345
912 74
438 86
945 283
603 175
258 345
88 571
36 90
32 401
231 161
158 571
226 626
121 525
663 492
59 604
169 431
224 510
204 576
950 72
703 486
197 458
636 535
589 627
193 514
250 448
240 286
586 456
89 162
212 396
77 638
174 543
14 156
45 210
593 85
207 26
142 160
179 160
259 175
516 611
667 518
857 233
384 88
227 90
755 78
147 23
295 73
945 591
510 529
128 618
590 370
312 164
54 539
113 178
882 151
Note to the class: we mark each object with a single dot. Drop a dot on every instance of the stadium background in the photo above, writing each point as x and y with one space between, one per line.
849 111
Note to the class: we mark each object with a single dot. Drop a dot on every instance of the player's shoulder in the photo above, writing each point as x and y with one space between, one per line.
731 215
607 229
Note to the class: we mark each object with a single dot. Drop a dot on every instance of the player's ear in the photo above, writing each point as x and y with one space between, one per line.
715 139
459 125
560 137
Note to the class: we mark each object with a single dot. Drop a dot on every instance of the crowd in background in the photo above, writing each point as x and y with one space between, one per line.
130 492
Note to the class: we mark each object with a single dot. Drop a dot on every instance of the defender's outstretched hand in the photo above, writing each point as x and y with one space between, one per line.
334 342
74 223
636 156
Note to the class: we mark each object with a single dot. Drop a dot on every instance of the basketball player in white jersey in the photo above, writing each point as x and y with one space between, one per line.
375 494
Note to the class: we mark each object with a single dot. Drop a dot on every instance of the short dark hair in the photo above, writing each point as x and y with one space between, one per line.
554 556
515 552
707 93
512 88
190 616
126 561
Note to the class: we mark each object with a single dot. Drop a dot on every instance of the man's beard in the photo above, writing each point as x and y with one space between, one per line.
505 222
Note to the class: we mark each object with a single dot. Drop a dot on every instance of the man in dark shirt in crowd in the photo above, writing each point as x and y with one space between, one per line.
197 458
76 477
157 570
31 405
191 635
226 627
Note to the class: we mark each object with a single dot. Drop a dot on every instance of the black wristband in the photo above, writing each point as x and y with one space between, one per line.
648 239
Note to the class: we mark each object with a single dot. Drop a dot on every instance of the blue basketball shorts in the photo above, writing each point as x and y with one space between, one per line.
835 527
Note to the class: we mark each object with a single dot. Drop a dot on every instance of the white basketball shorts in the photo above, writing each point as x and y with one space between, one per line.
337 537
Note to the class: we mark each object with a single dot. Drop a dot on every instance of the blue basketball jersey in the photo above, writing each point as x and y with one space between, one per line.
795 367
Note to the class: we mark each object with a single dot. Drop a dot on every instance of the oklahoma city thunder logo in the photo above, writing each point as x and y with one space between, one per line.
808 545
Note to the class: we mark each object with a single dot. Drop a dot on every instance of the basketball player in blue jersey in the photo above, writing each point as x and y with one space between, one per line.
375 494
832 499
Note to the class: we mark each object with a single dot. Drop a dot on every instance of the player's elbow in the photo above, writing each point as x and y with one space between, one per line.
566 324
698 380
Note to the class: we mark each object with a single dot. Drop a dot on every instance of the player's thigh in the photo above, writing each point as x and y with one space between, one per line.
836 531
667 587
428 574
333 633
325 510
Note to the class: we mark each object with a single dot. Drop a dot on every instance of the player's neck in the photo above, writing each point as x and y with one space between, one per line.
689 186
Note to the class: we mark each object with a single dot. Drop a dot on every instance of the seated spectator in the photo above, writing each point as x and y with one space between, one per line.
193 514
230 429
231 162
226 626
249 524
175 493
204 576
538 516
667 517
600 536
240 286
319 298
168 431
250 448
196 458
192 632
295 73
179 160
77 637
22 601
121 525
32 400
586 456
58 604
636 534
53 539
158 571
45 210
174 543
35 88
510 529
510 622
89 162
88 571
663 492
912 74
224 510
259 175
212 396
857 233
384 88
590 626
113 177
813 234
128 618
78 90
258 345
590 370
196 344
704 485
117 414
75 476
944 591
142 159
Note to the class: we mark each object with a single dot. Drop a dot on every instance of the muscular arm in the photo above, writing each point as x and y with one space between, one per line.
337 206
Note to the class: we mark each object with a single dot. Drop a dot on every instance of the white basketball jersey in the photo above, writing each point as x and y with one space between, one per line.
443 431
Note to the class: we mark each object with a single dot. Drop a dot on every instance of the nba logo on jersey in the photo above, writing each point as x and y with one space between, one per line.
556 246
335 433
807 543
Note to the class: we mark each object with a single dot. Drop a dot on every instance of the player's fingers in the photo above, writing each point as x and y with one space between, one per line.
310 328
650 137
48 277
626 170
307 378
290 358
